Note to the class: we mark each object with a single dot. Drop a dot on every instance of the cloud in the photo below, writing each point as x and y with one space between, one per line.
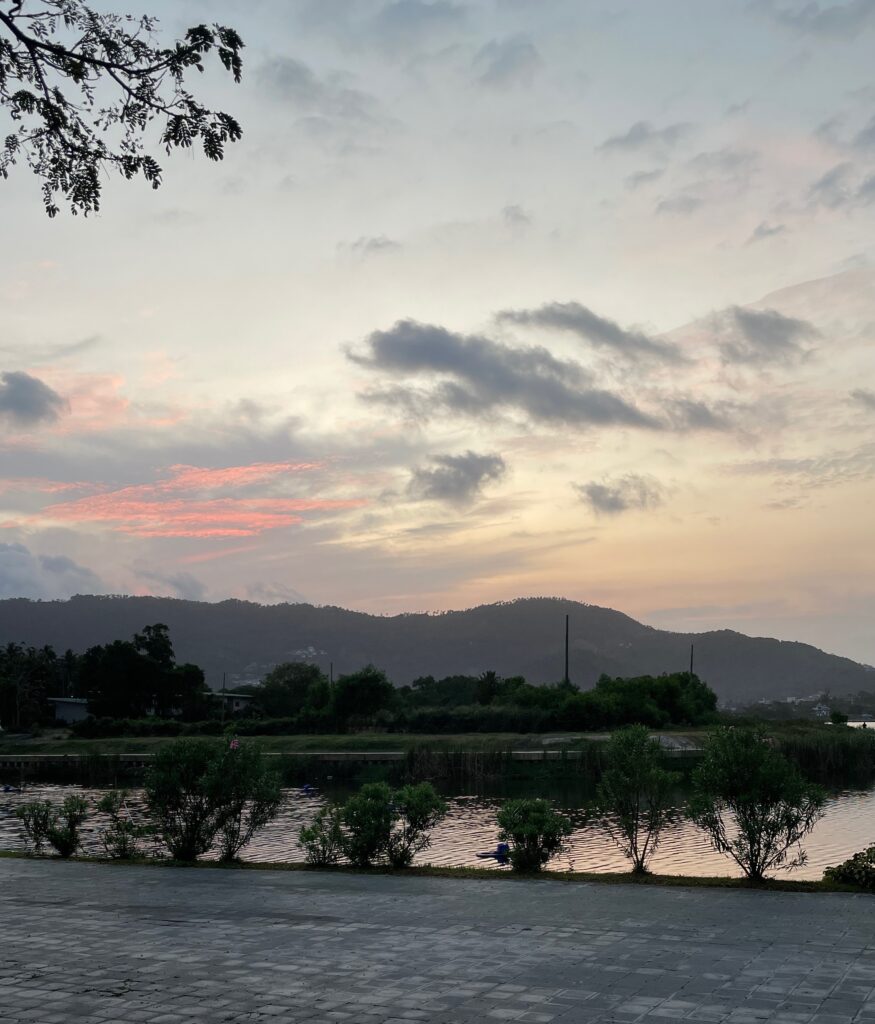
43 577
456 479
630 492
25 401
683 203
373 246
597 330
764 230
864 397
508 62
515 216
812 18
643 136
179 584
294 83
274 593
828 469
406 23
641 178
865 139
481 377
193 501
833 188
763 336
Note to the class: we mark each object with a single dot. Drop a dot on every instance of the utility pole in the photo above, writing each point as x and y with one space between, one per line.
223 698
331 672
567 680
692 647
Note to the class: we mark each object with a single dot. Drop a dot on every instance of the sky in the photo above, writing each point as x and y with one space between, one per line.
494 298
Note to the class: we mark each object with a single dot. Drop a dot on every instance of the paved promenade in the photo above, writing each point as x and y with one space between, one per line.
86 943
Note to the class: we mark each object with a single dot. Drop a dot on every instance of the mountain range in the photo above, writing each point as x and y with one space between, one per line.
242 640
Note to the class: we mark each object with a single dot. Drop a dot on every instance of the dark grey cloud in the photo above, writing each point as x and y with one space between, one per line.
865 139
764 336
597 330
644 136
833 189
841 20
691 414
764 230
630 492
294 83
274 593
479 377
641 178
404 23
175 584
515 216
682 203
864 397
729 161
372 246
503 63
456 479
43 577
26 401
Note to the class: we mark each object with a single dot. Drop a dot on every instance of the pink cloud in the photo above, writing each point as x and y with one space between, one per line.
185 503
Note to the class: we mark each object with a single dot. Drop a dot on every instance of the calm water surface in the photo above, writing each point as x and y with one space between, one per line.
848 826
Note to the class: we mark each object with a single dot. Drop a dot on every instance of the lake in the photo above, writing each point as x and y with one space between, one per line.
847 826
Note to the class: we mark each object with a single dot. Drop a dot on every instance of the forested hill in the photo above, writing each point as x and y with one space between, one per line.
523 637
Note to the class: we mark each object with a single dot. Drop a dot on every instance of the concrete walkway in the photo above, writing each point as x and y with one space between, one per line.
89 943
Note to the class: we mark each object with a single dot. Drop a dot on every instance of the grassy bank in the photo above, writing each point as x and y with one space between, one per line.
61 742
480 874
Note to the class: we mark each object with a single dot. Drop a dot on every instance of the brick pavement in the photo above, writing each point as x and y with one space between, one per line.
89 944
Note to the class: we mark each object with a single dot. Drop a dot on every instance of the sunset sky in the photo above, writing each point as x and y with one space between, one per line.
495 298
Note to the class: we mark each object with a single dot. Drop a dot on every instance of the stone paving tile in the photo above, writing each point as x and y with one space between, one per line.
96 945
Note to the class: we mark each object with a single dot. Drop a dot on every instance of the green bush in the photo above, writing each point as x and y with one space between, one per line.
382 825
322 839
634 795
198 790
58 826
418 809
752 802
368 817
36 819
253 796
186 796
859 870
534 830
121 837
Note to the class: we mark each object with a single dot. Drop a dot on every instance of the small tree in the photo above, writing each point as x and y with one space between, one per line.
36 820
634 794
64 834
254 796
753 803
120 839
187 797
368 817
419 808
534 830
322 839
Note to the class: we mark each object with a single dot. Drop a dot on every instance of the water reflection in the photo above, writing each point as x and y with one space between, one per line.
470 828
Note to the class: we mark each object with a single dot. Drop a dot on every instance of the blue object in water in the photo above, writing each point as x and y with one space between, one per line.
501 853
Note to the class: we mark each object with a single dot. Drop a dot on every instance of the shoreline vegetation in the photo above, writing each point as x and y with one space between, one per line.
469 873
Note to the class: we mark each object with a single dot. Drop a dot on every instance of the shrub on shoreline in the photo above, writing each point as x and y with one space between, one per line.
534 830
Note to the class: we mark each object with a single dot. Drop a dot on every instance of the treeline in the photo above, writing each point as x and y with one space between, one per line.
123 679
136 687
298 698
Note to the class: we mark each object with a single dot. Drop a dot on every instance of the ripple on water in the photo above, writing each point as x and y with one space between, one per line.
469 827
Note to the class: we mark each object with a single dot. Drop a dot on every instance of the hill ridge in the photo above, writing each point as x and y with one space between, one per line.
524 636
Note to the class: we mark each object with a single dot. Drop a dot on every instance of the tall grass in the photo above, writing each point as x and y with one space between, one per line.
831 755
